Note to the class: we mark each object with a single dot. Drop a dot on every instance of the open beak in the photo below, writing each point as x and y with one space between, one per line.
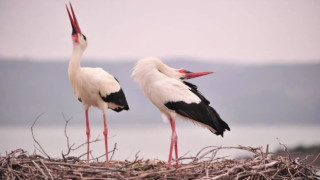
190 75
73 20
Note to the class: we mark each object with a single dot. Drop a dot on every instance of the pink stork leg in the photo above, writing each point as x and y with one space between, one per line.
105 132
88 133
174 142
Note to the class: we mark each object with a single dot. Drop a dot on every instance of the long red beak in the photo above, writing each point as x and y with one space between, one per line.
73 20
190 75
196 74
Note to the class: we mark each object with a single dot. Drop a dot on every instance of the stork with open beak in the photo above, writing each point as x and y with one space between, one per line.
175 98
92 86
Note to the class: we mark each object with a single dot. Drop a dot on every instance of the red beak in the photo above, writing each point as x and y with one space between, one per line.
73 20
196 74
190 75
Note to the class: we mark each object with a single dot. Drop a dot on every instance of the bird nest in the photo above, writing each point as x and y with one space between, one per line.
261 164
19 164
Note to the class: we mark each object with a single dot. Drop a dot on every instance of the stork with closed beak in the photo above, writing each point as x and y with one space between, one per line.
176 98
92 86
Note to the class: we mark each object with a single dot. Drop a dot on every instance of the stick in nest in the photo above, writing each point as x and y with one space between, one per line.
285 150
66 135
41 150
71 148
112 151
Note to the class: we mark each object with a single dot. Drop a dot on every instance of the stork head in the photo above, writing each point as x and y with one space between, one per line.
146 66
77 37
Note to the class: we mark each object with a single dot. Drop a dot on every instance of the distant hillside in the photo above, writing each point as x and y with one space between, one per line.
241 94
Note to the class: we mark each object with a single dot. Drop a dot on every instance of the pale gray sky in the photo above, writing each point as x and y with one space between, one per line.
228 31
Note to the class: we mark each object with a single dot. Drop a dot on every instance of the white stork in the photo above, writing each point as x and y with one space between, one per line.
176 98
92 86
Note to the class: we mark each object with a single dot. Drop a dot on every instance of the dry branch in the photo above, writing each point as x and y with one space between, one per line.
41 150
67 137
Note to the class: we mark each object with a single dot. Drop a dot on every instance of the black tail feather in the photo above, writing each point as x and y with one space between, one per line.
218 124
201 113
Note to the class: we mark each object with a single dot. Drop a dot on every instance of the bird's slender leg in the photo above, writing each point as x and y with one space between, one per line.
176 149
170 153
105 132
174 142
88 133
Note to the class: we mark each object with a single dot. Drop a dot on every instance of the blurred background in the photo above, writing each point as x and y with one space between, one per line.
265 55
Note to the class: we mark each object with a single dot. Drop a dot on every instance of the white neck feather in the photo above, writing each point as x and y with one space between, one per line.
74 64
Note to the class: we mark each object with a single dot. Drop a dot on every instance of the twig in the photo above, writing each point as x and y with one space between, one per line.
44 165
315 159
198 154
286 150
41 171
113 151
83 166
183 156
92 141
137 156
34 139
83 154
262 166
66 135
232 170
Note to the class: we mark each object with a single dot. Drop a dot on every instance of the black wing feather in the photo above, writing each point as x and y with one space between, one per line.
117 98
200 112
194 89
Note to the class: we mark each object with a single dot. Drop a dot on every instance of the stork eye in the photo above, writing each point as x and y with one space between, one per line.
84 37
